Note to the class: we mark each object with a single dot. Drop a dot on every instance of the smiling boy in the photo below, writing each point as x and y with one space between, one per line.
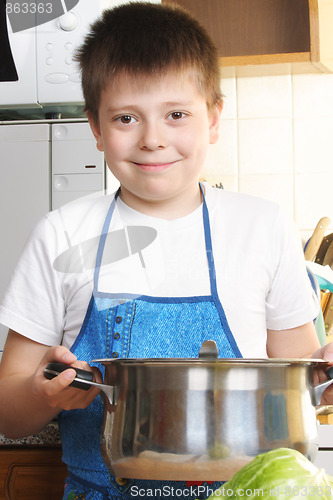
155 134
223 266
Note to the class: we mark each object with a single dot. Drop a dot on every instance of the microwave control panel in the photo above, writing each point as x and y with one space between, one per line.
58 74
43 54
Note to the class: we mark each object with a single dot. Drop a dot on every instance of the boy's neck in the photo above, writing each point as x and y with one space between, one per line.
171 208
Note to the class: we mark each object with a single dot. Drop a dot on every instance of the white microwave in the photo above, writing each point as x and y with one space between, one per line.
48 78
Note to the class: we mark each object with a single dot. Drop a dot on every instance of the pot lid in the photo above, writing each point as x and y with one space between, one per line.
221 361
208 353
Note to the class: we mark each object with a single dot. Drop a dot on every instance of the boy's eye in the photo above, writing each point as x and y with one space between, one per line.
125 119
176 115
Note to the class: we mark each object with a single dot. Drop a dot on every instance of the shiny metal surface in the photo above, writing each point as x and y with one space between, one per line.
204 419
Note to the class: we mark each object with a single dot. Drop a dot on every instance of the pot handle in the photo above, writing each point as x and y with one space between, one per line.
83 380
320 388
53 369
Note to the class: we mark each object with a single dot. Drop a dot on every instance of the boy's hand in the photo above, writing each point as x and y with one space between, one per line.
56 392
325 353
29 401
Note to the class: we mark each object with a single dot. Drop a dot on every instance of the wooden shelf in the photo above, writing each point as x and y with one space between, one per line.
259 36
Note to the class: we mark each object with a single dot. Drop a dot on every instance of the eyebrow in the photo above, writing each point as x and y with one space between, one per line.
169 104
172 104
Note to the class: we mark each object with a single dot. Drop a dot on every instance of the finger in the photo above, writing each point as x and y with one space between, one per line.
98 377
327 397
57 391
328 352
77 397
51 388
81 399
61 354
325 352
73 398
57 353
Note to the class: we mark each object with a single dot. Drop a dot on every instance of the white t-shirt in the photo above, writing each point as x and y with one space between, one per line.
260 268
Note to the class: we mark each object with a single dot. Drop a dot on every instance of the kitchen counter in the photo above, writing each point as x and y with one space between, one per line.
47 437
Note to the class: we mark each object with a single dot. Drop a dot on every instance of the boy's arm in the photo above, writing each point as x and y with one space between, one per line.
302 342
299 342
28 400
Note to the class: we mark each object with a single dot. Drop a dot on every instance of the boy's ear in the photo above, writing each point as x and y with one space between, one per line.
215 118
95 128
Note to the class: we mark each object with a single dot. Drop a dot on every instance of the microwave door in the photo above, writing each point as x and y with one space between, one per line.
8 71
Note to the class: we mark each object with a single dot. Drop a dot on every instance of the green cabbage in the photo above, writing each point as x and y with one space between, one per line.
282 473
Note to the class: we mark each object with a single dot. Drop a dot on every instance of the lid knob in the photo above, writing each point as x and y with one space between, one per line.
208 350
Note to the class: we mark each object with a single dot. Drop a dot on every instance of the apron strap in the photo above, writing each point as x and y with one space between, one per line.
102 240
212 278
209 246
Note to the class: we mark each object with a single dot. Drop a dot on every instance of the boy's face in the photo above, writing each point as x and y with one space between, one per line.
155 134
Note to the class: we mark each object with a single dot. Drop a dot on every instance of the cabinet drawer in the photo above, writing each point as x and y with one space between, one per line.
28 473
324 460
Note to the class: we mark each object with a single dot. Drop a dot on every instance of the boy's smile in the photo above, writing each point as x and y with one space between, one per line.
155 133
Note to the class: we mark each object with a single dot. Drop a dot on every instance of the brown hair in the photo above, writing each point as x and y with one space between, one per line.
146 39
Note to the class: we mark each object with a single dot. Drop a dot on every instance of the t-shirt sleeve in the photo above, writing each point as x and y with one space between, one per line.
33 303
291 300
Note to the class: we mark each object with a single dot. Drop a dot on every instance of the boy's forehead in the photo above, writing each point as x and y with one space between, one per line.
140 82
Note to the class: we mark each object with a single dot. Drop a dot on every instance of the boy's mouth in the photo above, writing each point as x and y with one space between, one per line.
154 167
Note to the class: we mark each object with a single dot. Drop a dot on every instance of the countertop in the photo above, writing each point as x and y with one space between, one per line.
48 437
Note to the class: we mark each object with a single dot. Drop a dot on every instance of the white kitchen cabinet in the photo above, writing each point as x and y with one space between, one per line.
43 165
324 458
25 171
77 166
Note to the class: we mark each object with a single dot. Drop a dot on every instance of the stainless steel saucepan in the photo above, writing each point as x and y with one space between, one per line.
203 419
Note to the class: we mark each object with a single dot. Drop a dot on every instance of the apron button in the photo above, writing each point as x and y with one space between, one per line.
115 354
121 481
119 319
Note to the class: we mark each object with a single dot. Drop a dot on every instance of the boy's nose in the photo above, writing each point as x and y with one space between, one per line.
152 137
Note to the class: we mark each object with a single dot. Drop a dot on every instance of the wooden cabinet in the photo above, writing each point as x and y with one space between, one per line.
31 473
273 36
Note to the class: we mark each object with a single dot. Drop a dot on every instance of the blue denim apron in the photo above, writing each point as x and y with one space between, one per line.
136 327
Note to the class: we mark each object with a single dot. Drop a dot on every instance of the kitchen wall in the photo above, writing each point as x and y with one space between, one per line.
276 141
